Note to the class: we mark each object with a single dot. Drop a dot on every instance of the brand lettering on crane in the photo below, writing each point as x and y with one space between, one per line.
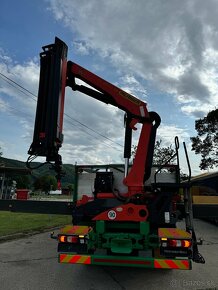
112 215
129 97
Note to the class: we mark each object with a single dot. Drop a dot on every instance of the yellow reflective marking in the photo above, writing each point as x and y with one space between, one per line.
82 259
129 97
67 259
167 233
174 264
66 229
180 265
81 230
184 234
163 264
76 230
173 233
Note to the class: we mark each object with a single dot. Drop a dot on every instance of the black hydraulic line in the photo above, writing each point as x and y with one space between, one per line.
177 159
156 120
93 93
128 137
188 163
197 257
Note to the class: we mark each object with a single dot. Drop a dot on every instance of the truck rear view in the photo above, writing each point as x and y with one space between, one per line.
123 215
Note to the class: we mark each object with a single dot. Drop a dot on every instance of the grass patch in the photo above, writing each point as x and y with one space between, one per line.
12 222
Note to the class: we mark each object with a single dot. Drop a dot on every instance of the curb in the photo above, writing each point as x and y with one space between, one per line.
17 236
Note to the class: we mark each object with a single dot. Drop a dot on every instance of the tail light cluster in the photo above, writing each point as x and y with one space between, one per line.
74 239
174 243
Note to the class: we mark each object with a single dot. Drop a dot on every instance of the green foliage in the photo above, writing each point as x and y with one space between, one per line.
46 183
206 141
161 154
23 181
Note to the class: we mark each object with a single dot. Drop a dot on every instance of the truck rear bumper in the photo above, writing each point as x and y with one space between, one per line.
181 264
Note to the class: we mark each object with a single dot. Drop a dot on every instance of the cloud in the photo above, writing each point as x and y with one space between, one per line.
167 134
17 106
81 47
15 80
89 125
81 144
164 42
131 85
3 105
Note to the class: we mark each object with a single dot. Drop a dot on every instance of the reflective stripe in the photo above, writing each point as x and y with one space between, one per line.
75 259
84 260
153 263
172 264
173 233
66 259
75 230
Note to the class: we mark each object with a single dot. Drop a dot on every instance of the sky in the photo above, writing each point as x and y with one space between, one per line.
163 52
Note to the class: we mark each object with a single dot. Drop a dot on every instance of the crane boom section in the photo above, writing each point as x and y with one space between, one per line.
120 98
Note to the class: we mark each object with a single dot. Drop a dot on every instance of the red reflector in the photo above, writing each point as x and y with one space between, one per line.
172 243
74 239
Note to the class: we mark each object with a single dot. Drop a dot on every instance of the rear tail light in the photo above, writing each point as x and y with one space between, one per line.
62 239
175 243
186 243
71 239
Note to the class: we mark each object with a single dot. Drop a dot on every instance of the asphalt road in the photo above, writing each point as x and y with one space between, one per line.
31 263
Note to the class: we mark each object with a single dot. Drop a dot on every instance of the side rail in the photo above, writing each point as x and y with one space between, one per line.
36 206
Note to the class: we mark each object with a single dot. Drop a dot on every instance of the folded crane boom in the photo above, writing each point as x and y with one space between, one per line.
55 74
122 219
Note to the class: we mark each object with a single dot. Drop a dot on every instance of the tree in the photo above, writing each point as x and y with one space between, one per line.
161 154
46 183
22 181
206 141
